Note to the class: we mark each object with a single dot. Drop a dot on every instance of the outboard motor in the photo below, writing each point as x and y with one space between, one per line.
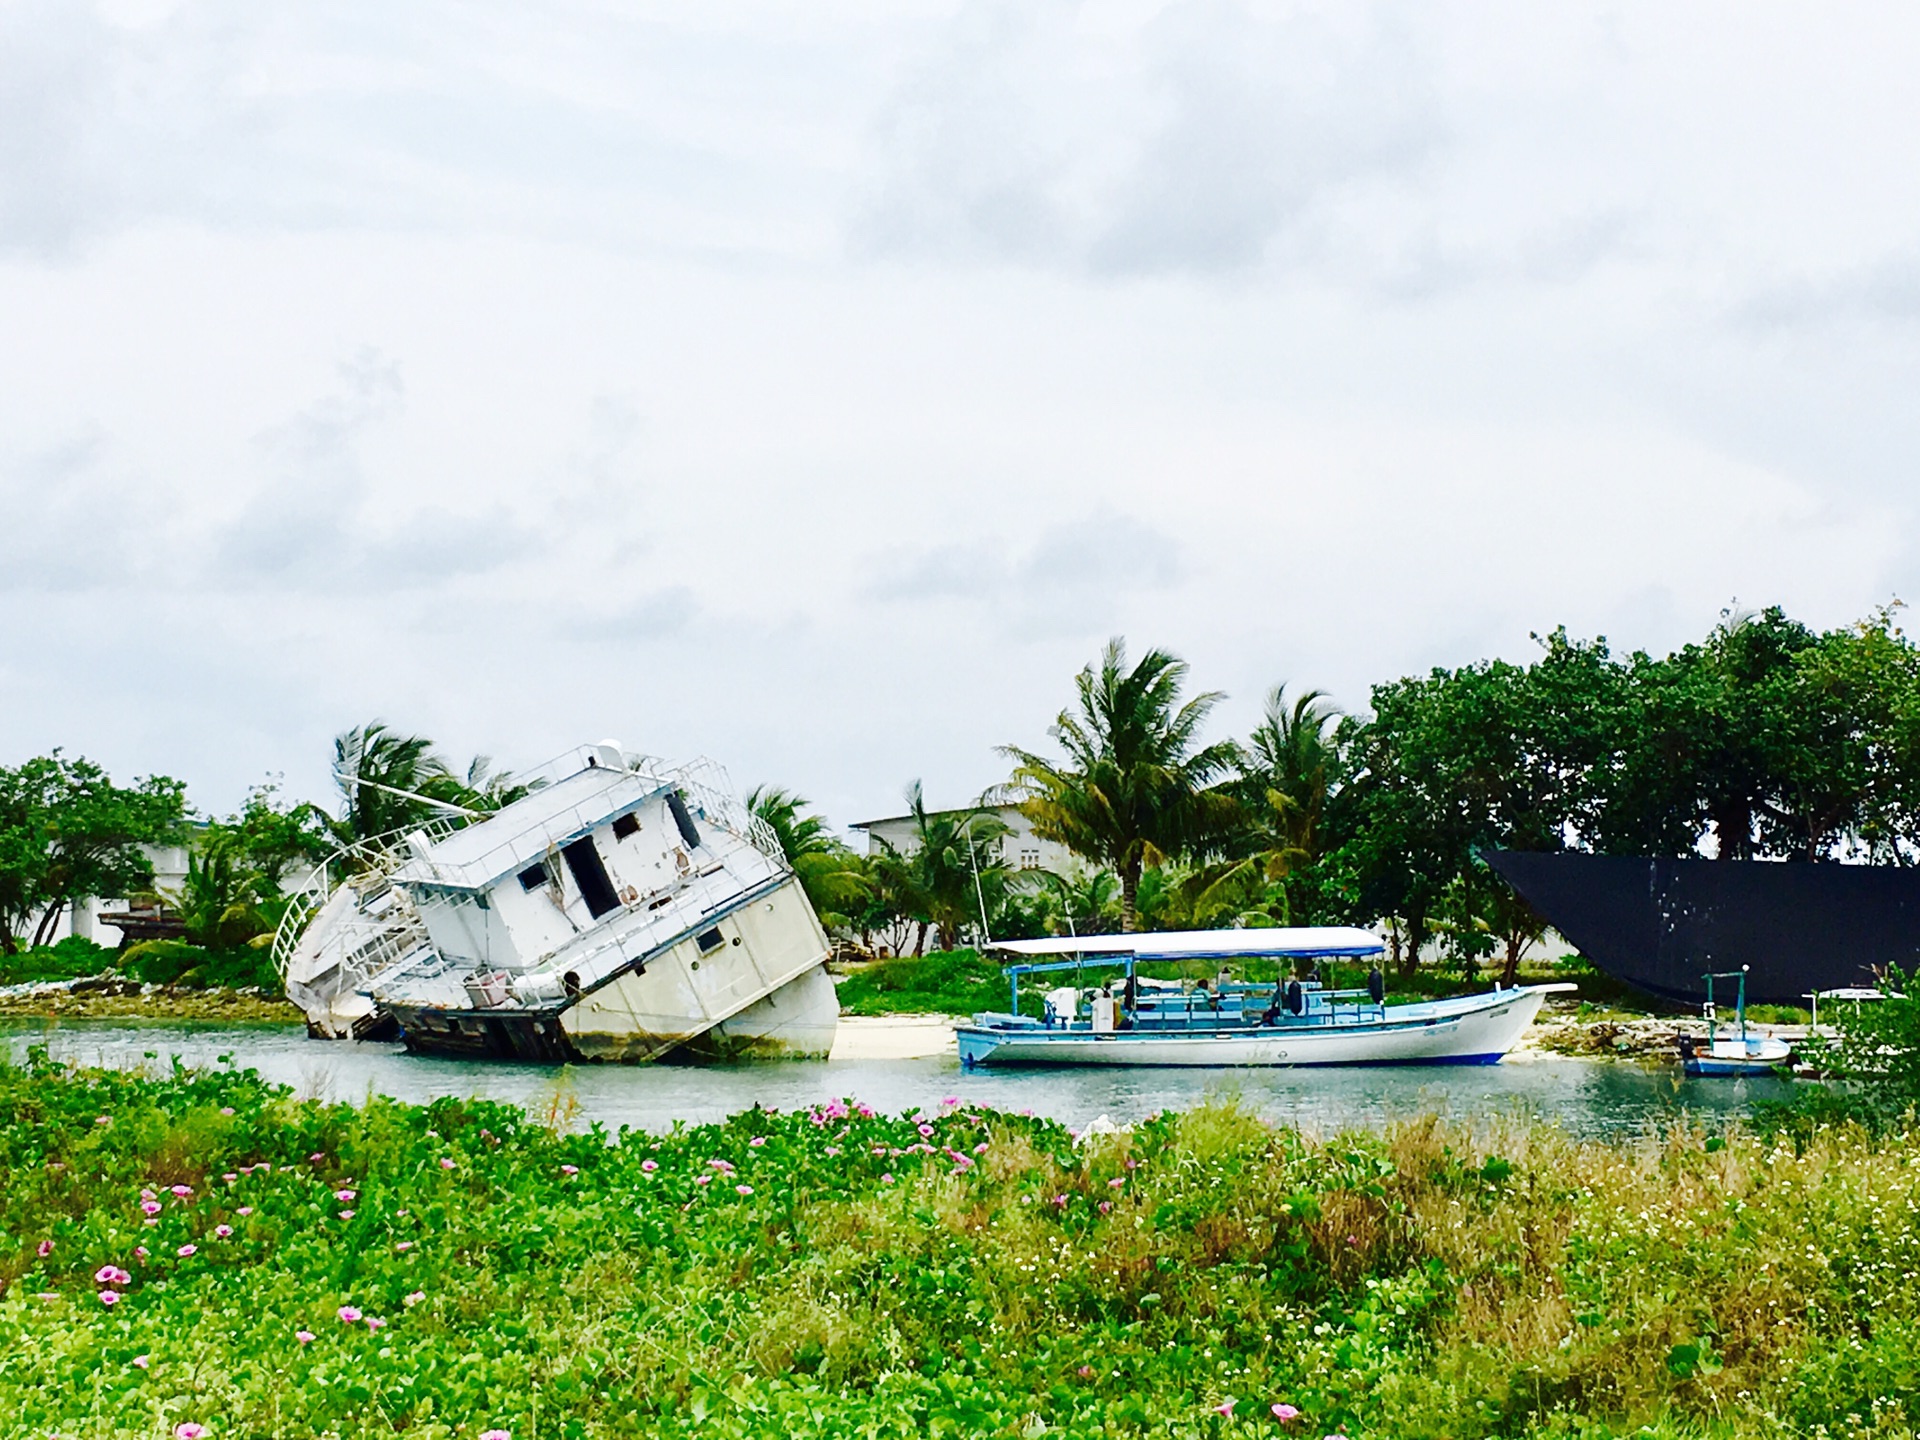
1296 998
1376 986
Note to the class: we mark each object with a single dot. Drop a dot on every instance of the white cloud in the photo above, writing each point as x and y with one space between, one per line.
819 385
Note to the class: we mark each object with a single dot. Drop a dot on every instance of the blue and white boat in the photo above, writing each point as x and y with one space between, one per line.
1730 1056
1136 1020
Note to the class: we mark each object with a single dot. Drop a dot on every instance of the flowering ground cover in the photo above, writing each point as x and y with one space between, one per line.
202 1255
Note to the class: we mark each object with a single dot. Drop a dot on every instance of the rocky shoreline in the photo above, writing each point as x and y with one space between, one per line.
113 997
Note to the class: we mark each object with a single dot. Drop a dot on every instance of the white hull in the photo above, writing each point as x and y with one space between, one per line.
1479 1031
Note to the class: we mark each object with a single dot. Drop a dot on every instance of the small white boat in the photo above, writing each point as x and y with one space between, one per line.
1287 1023
1728 1056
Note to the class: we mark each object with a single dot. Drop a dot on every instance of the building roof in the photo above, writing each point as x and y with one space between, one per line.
956 810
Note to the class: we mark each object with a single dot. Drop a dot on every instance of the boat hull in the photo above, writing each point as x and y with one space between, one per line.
1479 1034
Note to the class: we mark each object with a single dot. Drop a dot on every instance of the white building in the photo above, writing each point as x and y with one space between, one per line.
83 919
1020 848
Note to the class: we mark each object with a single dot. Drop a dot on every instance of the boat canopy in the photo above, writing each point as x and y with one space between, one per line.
1302 941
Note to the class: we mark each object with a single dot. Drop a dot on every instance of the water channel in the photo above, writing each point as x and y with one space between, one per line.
1589 1098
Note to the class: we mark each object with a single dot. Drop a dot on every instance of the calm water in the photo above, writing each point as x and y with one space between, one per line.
1589 1098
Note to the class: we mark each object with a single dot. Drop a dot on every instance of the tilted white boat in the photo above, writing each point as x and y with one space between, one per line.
1292 1022
619 911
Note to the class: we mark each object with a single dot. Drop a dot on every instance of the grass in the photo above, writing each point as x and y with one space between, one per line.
464 1266
944 982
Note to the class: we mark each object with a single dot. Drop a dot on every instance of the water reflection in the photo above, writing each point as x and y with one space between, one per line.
1589 1098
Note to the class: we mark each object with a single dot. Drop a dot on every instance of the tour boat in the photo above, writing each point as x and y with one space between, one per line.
620 910
1137 1020
1732 1055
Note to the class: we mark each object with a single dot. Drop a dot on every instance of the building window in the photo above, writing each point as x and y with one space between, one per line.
628 824
534 876
1029 859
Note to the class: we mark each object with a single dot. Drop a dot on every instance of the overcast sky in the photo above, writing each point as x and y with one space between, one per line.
817 386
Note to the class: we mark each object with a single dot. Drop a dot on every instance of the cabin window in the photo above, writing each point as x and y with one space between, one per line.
534 876
590 874
628 824
709 940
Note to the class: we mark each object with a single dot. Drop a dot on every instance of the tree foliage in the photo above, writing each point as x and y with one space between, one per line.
1135 786
68 834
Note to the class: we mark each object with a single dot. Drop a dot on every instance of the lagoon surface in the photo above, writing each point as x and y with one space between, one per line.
1590 1098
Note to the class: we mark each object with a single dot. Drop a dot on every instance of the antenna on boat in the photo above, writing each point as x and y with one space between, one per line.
354 780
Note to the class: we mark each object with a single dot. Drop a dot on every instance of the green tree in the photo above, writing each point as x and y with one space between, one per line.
830 872
950 872
1135 787
68 833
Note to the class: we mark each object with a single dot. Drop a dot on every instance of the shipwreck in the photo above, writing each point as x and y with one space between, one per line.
622 910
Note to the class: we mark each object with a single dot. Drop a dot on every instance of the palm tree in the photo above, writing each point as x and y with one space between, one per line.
1133 789
829 871
1287 772
379 772
952 874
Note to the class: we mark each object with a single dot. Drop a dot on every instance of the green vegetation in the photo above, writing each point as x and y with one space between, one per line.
65 960
201 1249
943 982
68 833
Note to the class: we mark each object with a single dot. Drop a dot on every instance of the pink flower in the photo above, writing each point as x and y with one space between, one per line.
189 1430
221 1232
316 1158
649 1166
185 1250
496 1435
833 1149
866 1111
305 1337
1225 1407
757 1141
1285 1413
109 1297
146 1194
887 1179
950 1102
344 1196
244 1210
1061 1201
414 1299
1116 1182
346 1214
46 1246
721 1165
111 1275
743 1189
926 1129
569 1170
981 1148
182 1190
149 1207
702 1179
142 1361
1105 1206
226 1109
404 1245
103 1120
141 1251
349 1315
230 1177
1085 1372
374 1322
446 1162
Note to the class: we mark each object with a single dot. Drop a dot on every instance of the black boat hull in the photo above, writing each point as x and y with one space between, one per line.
1660 925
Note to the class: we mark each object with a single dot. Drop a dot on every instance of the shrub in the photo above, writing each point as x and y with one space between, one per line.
64 960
